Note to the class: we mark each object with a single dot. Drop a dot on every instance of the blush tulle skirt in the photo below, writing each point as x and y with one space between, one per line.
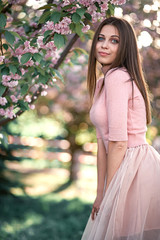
130 209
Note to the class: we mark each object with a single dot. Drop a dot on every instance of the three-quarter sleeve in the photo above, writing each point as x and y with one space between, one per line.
117 95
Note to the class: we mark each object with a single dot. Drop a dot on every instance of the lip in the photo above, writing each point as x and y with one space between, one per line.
103 54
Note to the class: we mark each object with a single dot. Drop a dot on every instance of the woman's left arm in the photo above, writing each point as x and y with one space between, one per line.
117 90
116 153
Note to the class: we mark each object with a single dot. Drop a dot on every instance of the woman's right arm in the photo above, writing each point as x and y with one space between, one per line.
101 174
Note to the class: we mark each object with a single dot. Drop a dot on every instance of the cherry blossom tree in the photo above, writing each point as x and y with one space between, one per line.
34 46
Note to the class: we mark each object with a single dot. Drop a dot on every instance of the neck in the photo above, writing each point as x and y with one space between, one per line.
105 68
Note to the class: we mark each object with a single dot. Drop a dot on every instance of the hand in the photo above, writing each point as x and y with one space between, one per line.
96 206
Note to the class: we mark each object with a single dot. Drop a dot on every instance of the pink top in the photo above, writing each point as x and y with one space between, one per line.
114 115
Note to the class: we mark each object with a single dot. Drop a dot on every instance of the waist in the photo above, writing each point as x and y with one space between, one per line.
133 140
136 139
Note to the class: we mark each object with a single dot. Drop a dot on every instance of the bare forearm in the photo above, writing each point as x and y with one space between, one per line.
101 167
116 152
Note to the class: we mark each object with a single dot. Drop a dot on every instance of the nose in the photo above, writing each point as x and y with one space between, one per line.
105 44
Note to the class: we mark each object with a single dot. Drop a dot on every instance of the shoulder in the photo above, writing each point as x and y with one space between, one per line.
117 75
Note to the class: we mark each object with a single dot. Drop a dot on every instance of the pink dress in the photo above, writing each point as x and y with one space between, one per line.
130 209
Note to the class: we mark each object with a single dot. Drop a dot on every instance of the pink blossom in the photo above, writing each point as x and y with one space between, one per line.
87 3
14 99
2 58
97 16
67 60
43 93
23 71
45 86
12 84
9 113
29 63
40 42
28 98
33 24
66 2
6 78
67 20
85 28
3 101
51 46
31 106
92 8
81 59
9 18
118 2
27 44
48 26
29 48
19 51
6 81
14 1
2 112
15 76
104 7
20 31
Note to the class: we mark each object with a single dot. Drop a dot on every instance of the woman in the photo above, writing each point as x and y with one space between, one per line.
127 205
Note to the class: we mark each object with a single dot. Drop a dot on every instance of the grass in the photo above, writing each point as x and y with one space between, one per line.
50 208
42 218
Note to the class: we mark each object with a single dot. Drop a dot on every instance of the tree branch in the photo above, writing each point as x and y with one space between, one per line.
38 92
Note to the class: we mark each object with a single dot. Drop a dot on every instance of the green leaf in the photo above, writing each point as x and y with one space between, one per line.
24 89
9 37
57 74
68 6
88 16
44 17
25 57
19 72
42 79
5 71
55 17
72 26
110 10
59 40
16 34
79 29
37 57
48 6
23 105
40 70
76 18
3 20
47 33
5 46
80 11
12 69
2 89
98 7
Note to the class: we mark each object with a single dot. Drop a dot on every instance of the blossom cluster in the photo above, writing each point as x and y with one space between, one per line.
61 28
38 50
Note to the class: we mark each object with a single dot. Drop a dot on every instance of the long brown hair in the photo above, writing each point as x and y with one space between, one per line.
127 56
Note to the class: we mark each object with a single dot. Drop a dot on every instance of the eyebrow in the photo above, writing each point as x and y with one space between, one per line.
111 35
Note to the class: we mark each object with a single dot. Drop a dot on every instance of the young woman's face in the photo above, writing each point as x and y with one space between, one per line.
107 45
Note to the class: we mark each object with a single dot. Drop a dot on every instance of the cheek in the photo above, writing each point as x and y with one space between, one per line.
116 49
